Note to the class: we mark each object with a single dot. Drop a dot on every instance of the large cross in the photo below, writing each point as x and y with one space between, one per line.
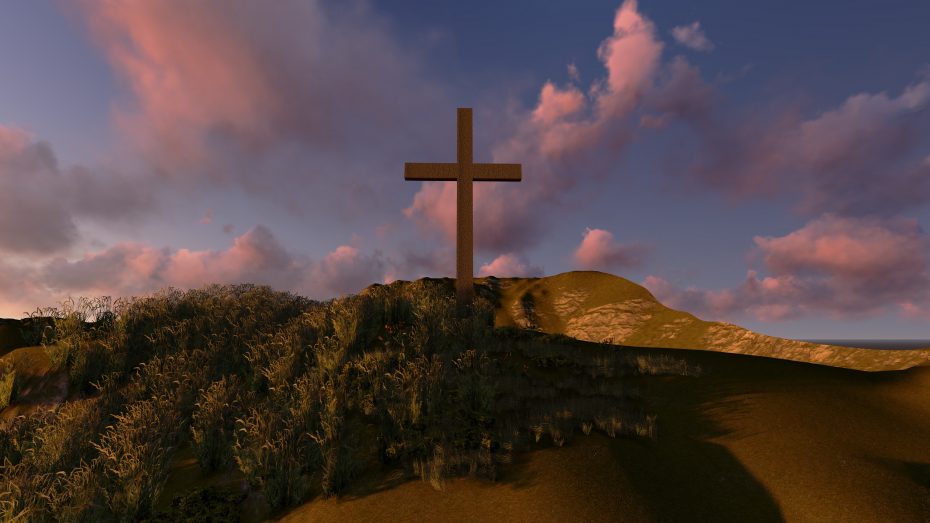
464 172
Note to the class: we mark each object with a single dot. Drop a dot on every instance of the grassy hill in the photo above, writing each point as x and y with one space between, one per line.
599 307
277 399
244 403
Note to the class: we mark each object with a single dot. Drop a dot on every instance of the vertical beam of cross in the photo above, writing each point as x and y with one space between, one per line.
464 172
464 234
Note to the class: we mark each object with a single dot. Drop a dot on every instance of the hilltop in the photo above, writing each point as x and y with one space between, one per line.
599 307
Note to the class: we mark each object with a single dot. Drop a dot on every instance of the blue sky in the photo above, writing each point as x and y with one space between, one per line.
764 165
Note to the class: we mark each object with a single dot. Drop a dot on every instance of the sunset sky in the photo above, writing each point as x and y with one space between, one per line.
763 163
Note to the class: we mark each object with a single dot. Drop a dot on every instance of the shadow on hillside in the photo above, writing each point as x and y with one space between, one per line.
917 472
683 475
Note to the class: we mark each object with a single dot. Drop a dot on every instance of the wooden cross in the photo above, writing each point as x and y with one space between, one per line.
464 172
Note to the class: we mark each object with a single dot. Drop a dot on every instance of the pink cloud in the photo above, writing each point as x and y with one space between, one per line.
346 270
127 269
569 136
412 264
288 100
20 292
599 250
914 311
219 82
692 36
852 248
651 121
555 103
503 216
842 266
509 266
255 257
631 56
680 93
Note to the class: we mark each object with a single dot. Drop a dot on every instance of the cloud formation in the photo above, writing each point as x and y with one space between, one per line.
843 266
569 136
692 36
129 268
20 292
217 83
864 157
31 219
510 266
41 203
600 251
345 270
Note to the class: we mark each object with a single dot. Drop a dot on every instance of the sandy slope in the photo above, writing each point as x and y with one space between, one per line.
599 307
754 439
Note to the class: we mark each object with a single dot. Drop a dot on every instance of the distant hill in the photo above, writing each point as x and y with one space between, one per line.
599 307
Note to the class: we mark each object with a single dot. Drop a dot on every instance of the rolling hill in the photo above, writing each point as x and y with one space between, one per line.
599 307
673 419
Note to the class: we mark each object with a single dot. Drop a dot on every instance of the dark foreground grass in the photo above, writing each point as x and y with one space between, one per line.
301 397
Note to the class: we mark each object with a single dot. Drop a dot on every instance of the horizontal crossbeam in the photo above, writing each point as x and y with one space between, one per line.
449 172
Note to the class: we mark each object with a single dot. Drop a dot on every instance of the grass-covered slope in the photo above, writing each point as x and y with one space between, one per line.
599 307
278 399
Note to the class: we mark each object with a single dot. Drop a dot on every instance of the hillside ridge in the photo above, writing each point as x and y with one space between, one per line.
604 308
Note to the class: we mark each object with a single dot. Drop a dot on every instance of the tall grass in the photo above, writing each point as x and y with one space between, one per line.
213 423
300 397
